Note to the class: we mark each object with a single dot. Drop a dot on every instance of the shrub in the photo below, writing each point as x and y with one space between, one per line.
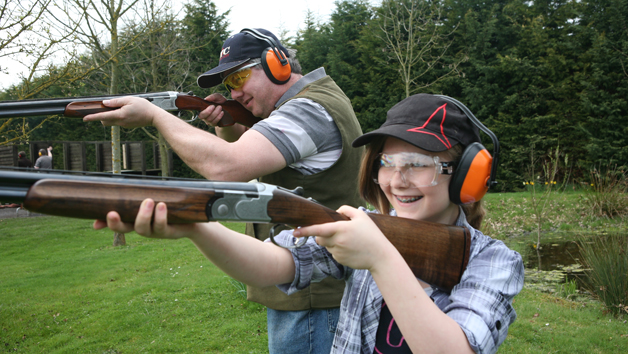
606 260
568 290
607 196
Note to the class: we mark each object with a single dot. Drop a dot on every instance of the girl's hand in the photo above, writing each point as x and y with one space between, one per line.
151 221
356 243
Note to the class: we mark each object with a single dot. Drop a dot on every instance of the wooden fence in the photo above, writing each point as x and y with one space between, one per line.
90 155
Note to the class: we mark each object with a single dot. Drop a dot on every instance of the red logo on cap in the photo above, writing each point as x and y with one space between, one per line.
443 139
224 52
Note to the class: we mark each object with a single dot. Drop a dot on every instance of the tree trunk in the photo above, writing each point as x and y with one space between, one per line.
119 239
163 153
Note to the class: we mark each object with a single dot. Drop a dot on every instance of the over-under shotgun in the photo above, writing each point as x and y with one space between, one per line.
437 253
79 107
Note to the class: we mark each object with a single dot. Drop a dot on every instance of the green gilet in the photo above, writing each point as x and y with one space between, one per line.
333 187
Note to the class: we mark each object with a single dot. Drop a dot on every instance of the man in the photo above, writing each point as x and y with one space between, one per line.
23 161
303 140
45 159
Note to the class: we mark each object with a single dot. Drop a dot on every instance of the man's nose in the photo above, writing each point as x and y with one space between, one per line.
235 94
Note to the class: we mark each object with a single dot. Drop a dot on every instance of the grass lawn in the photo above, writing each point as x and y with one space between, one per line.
548 324
65 289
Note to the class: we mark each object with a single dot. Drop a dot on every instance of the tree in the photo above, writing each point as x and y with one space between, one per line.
32 40
603 99
205 30
173 52
97 24
158 61
520 78
313 44
413 37
344 64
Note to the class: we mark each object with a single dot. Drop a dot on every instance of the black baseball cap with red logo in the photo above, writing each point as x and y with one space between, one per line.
237 50
427 121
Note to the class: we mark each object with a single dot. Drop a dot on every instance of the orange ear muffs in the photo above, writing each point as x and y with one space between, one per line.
471 179
274 61
475 173
277 69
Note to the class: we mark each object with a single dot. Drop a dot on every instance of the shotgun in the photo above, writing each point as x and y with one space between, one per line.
79 107
438 254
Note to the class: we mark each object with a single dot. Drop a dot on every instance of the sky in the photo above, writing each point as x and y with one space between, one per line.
273 15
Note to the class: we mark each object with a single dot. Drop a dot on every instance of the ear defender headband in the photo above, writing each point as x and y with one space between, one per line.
475 173
274 61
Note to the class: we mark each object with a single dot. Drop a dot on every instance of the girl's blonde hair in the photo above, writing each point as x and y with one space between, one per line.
373 194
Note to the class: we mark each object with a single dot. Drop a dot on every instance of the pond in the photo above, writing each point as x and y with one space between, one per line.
560 262
553 255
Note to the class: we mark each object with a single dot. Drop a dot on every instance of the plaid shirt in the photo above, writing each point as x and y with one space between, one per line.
481 303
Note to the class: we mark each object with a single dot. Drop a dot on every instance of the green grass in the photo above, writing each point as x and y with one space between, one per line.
509 215
65 289
549 324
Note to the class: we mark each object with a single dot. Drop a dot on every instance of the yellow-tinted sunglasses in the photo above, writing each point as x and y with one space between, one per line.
236 79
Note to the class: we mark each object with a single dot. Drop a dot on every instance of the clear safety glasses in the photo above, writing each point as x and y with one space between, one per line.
415 169
236 79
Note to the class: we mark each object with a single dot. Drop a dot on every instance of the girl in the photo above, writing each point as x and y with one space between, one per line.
406 172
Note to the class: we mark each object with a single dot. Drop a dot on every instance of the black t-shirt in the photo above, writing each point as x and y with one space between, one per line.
24 162
389 339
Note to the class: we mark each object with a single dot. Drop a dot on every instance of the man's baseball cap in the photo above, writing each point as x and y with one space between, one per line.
429 122
238 49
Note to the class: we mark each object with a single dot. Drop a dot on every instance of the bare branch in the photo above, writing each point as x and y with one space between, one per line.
412 31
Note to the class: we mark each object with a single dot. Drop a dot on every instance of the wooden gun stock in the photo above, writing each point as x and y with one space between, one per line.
438 254
236 112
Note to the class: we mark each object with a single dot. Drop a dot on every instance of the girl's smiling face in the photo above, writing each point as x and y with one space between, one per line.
419 203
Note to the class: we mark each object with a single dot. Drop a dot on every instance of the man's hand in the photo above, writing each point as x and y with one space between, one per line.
134 112
213 114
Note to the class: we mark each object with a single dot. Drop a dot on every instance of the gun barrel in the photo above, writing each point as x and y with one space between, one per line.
13 194
45 107
32 108
15 184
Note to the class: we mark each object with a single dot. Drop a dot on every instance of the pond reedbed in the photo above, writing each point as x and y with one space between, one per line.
580 267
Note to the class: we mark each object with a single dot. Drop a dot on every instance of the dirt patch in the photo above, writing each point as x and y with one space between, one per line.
16 212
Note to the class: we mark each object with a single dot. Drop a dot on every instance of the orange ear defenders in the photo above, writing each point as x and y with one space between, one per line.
475 172
274 61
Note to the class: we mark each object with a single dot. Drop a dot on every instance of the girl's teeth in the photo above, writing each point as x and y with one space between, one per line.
408 199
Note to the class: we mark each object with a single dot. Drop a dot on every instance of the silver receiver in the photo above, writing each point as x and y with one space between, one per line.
167 103
243 206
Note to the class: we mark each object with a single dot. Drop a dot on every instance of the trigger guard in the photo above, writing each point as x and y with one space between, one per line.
187 120
300 242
